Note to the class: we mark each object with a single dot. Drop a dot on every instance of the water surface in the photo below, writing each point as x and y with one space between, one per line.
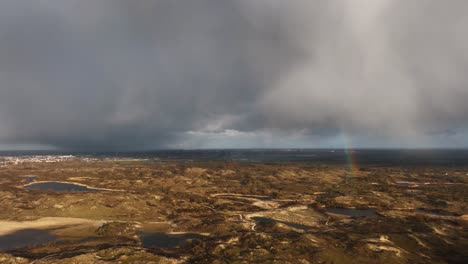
25 238
434 212
406 184
164 240
270 220
59 187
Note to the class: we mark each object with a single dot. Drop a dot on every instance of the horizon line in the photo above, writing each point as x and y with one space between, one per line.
228 149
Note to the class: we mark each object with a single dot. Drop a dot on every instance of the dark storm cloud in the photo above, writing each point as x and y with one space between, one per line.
129 74
120 73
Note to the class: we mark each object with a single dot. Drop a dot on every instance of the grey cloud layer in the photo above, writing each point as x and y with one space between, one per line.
116 73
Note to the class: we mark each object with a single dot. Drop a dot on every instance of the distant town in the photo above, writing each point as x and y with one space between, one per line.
5 161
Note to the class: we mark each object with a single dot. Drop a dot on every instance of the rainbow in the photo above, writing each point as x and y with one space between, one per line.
351 162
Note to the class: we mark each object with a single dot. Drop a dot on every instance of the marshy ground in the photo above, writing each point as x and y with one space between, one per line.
143 211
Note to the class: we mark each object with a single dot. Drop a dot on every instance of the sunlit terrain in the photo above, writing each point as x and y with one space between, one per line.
307 206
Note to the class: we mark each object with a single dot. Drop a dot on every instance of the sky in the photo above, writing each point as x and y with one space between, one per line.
149 74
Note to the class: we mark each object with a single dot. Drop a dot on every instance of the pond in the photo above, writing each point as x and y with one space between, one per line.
352 212
165 240
25 238
270 220
434 212
59 187
406 184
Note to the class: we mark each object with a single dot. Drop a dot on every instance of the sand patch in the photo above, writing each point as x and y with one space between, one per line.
72 183
9 227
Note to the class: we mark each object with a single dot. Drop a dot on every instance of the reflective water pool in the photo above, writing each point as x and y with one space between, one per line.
25 238
59 187
164 240
270 220
434 212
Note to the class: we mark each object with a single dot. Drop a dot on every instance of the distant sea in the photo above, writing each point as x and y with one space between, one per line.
445 157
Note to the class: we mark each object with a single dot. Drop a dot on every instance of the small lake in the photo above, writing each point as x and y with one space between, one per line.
352 212
164 240
406 184
59 187
25 238
270 220
434 212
